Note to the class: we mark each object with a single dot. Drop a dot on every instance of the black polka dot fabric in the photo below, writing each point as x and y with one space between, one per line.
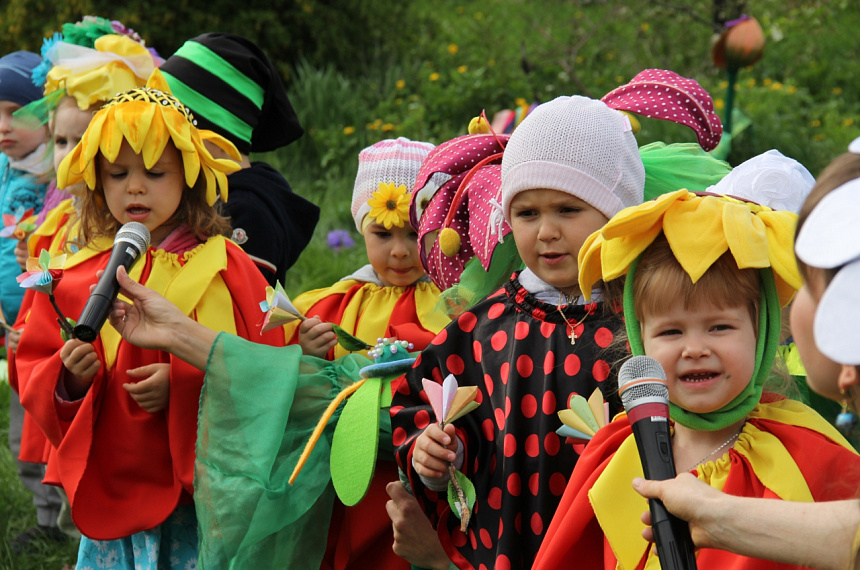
516 350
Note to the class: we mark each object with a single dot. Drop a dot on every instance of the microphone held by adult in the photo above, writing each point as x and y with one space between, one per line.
645 395
131 242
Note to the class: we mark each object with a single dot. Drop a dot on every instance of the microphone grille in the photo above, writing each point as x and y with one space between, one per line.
134 233
642 368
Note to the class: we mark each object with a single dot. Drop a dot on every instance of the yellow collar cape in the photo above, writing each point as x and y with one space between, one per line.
147 118
700 228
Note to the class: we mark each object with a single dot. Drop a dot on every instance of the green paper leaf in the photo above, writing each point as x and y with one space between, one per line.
355 443
580 406
348 341
44 260
468 490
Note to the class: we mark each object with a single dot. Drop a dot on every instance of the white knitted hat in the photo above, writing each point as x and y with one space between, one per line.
389 161
579 146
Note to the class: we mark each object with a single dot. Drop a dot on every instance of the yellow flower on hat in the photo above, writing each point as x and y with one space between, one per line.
389 205
147 118
699 230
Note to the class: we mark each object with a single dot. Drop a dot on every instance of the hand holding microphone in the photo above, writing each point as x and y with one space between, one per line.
130 243
645 395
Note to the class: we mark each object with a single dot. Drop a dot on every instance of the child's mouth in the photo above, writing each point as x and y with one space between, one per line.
137 210
552 258
698 377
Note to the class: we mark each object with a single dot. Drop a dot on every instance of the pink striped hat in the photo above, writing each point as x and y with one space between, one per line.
394 161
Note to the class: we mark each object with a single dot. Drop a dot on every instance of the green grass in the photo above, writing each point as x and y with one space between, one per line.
17 512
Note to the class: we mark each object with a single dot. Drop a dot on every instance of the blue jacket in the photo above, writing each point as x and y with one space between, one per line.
17 189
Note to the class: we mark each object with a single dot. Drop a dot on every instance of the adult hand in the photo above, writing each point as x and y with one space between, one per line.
22 254
415 539
685 497
150 320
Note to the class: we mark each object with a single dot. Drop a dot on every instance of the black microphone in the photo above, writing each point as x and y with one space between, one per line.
131 241
645 395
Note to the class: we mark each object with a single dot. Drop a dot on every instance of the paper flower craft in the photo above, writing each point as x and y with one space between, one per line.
583 418
280 311
389 205
18 225
449 403
43 275
278 308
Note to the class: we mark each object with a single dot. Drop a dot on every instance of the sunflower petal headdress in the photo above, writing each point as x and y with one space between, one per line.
146 118
700 229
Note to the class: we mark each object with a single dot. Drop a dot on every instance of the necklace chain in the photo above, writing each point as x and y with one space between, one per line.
570 301
728 441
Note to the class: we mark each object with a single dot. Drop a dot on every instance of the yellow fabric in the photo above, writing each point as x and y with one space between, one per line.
618 507
103 78
147 119
370 309
196 286
699 230
56 226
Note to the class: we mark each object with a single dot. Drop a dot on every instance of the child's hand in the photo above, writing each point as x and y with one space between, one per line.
316 337
82 363
21 254
415 539
12 338
434 449
151 393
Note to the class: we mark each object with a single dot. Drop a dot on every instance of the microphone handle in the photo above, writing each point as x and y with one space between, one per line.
671 534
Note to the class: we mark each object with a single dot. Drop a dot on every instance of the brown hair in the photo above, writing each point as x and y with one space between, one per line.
660 279
204 220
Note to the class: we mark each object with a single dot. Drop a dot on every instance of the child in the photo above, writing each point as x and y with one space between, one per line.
568 167
123 420
235 90
24 174
706 276
390 297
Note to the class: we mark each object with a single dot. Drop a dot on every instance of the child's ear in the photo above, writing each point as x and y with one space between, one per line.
849 377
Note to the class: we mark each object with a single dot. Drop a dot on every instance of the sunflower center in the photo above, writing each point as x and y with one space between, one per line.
391 204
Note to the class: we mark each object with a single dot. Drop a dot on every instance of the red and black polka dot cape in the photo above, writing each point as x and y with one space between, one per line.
517 351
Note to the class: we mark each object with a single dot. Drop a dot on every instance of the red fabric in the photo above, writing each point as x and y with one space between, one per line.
130 473
362 536
575 538
403 324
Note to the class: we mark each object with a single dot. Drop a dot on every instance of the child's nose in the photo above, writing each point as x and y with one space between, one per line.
548 230
400 248
135 184
695 347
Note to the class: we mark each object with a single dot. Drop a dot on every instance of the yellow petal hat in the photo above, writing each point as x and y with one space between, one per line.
146 118
699 228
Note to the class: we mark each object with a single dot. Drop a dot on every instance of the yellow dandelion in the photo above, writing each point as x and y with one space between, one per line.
579 59
520 102
767 82
610 56
460 10
399 100
719 104
751 83
387 128
815 124
724 84
776 86
453 49
837 91
619 79
818 137
389 205
644 26
792 89
848 122
307 8
479 15
491 63
374 126
348 130
400 84
463 69
434 76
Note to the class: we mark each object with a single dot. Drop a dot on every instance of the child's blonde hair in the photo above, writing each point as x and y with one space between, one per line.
660 280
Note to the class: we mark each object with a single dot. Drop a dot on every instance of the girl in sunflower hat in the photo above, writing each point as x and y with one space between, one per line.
123 420
706 276
390 297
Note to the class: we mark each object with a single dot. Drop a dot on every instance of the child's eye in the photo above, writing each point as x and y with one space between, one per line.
668 332
570 210
60 141
154 173
722 327
382 234
525 213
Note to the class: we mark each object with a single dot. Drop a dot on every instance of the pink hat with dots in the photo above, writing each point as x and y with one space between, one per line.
389 161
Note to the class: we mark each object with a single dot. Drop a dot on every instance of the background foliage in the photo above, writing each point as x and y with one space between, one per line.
362 70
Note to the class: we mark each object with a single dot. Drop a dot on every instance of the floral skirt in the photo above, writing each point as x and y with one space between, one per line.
171 545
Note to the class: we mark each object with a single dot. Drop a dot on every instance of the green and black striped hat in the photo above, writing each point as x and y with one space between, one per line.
233 89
